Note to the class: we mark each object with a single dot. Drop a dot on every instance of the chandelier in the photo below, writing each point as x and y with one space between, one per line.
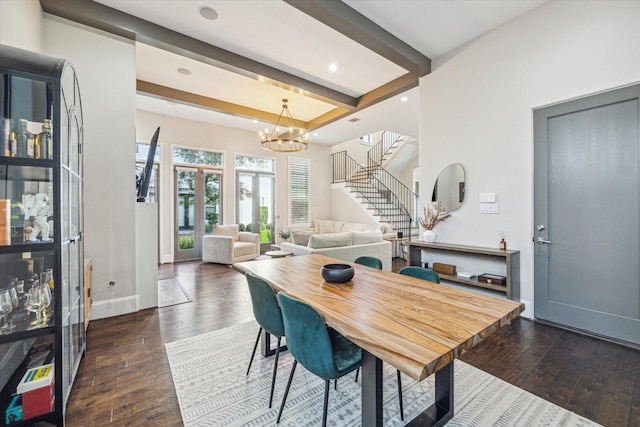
292 139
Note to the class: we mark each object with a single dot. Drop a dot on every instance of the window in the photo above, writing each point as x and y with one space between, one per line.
188 156
253 163
142 150
299 192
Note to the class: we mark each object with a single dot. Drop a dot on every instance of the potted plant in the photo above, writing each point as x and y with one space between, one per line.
284 235
433 215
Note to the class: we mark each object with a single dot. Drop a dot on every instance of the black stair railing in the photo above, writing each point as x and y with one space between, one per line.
375 157
387 141
381 198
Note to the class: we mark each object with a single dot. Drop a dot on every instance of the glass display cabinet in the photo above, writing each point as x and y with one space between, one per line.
41 236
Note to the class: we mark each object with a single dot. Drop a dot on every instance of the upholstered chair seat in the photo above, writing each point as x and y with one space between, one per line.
228 245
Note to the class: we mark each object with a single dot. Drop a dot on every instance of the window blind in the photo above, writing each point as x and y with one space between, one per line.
299 192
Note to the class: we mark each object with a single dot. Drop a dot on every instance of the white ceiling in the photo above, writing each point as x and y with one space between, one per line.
275 33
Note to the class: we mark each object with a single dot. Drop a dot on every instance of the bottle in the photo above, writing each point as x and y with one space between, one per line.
13 145
25 140
45 141
37 148
503 244
5 144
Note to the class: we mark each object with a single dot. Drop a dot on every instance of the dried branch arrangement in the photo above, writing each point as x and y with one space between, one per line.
433 215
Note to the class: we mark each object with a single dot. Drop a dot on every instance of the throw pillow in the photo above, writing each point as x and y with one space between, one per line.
386 228
325 226
301 237
363 237
333 240
227 230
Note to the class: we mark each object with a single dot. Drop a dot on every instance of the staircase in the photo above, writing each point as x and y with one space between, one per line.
388 199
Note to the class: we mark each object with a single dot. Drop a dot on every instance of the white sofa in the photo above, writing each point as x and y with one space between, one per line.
227 245
343 245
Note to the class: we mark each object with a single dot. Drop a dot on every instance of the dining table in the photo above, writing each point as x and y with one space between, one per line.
417 326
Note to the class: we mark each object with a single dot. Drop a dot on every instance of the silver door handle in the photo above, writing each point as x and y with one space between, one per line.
541 240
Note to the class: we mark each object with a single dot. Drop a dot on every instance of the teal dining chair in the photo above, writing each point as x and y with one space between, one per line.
420 273
369 261
376 263
268 315
320 349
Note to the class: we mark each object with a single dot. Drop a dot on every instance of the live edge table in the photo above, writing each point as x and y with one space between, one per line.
416 326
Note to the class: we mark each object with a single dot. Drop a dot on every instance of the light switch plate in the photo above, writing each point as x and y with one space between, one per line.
487 197
489 208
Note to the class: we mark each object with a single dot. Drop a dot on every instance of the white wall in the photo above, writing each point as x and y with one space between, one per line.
345 207
187 133
106 74
477 104
21 24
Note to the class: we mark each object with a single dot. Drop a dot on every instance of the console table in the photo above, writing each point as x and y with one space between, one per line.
510 257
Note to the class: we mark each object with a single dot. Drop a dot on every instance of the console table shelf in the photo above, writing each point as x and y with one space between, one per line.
511 258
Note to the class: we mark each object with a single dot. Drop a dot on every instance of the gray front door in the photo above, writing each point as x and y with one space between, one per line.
586 214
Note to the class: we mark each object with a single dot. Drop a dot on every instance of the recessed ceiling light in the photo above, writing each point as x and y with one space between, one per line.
209 14
316 134
404 99
184 71
333 67
255 121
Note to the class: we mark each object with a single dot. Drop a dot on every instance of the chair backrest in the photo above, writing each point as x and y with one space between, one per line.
307 337
369 261
420 273
265 305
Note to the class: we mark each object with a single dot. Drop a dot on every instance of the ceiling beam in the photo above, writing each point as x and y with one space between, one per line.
386 91
393 88
171 94
351 23
113 21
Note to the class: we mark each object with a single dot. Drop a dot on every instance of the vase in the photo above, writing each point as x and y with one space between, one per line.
429 236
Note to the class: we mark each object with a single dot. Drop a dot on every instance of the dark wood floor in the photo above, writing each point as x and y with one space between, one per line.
125 380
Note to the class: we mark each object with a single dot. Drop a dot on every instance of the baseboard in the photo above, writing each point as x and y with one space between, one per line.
167 259
114 307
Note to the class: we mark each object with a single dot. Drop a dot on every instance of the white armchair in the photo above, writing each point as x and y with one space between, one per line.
228 245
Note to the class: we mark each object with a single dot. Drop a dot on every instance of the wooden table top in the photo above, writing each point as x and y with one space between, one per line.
414 325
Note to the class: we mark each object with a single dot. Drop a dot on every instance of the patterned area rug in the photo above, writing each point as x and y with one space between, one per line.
209 376
171 292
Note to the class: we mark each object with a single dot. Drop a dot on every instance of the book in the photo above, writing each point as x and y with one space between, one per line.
466 274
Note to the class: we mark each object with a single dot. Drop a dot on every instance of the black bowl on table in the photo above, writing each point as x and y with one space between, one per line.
337 273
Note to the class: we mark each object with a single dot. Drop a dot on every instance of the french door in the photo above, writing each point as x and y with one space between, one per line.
197 209
256 202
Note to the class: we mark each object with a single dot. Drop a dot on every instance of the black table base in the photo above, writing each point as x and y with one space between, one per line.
435 415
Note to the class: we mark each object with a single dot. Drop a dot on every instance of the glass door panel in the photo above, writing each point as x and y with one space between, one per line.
198 209
256 201
185 196
245 202
266 211
212 201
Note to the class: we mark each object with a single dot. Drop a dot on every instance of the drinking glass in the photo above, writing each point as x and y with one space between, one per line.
46 301
5 309
35 303
13 294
